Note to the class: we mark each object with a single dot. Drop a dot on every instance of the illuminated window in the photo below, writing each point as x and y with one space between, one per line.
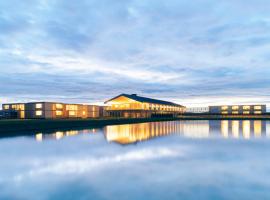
21 106
84 113
224 108
246 107
38 105
257 107
17 106
246 112
38 113
72 107
258 112
235 112
59 112
72 113
59 106
224 112
6 107
235 107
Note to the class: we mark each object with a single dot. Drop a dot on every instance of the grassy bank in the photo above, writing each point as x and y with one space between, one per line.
17 127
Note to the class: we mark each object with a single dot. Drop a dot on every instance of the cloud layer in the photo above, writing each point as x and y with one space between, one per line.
87 51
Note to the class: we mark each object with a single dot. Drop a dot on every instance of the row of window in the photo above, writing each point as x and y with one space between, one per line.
146 107
244 107
244 112
59 113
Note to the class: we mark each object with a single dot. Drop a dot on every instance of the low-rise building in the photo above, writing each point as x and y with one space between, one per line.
197 110
133 106
52 110
238 109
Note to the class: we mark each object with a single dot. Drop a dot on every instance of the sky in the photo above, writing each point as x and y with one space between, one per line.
197 53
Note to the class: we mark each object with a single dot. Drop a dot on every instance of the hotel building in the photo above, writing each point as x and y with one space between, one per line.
50 110
238 109
134 106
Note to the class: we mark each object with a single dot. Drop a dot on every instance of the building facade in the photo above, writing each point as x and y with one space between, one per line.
133 106
52 110
197 110
238 109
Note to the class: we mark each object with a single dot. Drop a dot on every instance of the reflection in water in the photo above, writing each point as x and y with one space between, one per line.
225 128
235 129
125 134
246 129
60 134
132 133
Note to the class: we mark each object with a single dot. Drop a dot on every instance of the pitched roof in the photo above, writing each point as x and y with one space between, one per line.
145 100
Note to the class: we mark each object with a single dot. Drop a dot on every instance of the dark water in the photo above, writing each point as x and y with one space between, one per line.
161 160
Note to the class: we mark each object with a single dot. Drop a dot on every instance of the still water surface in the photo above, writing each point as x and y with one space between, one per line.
159 160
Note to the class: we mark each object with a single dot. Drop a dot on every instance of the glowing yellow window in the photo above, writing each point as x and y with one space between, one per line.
235 112
246 107
21 106
224 108
6 107
246 112
59 112
72 107
38 105
258 112
235 107
224 112
84 113
72 113
59 106
38 113
257 107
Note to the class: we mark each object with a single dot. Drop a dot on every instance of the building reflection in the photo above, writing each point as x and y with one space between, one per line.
61 134
132 133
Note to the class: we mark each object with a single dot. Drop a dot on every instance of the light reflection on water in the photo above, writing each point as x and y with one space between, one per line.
132 133
173 160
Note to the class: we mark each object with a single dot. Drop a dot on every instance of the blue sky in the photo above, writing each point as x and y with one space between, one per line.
193 52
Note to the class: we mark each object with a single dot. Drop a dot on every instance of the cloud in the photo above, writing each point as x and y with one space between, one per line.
180 49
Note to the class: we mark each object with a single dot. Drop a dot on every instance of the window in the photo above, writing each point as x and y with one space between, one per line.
72 113
257 107
246 107
224 112
235 112
59 112
72 107
6 107
59 106
246 112
235 107
38 105
224 108
38 113
258 112
84 113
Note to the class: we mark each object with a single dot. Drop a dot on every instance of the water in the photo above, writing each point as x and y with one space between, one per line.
160 160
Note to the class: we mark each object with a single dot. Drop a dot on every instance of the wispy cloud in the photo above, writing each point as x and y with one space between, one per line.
180 49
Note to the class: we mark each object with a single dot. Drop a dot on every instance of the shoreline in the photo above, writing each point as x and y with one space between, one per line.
12 127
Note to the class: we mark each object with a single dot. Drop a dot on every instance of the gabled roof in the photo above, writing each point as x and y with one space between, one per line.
145 100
